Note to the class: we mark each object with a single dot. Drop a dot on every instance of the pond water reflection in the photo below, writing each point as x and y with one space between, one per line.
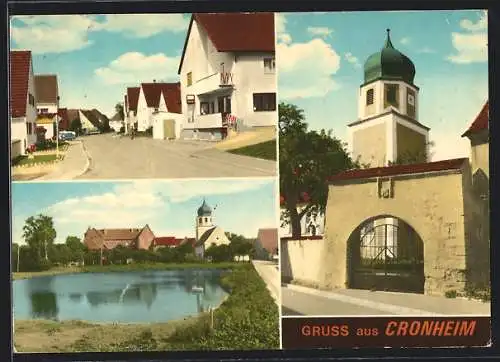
126 297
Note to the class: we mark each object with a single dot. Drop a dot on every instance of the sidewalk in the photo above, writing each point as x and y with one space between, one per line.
75 163
268 271
399 303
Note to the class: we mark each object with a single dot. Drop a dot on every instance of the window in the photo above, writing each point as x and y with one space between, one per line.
264 102
31 99
206 219
44 110
410 102
211 109
204 108
391 95
29 128
269 65
369 96
189 79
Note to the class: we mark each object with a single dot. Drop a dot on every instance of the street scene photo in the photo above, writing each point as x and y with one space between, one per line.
144 265
133 96
384 163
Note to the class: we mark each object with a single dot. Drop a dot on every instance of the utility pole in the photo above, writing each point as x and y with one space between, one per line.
46 255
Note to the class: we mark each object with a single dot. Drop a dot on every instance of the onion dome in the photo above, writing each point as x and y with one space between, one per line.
204 210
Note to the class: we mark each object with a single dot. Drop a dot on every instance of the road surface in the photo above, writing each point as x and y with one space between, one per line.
298 300
110 157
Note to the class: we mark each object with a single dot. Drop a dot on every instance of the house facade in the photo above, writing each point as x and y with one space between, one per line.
207 234
107 239
130 108
90 125
22 102
228 78
159 109
64 123
47 104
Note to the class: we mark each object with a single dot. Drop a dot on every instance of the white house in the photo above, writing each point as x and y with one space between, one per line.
228 72
311 224
207 234
116 123
47 103
22 102
130 108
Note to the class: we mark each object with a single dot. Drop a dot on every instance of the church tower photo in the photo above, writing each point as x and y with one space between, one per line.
387 128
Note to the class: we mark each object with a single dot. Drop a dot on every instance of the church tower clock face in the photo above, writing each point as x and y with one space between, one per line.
411 99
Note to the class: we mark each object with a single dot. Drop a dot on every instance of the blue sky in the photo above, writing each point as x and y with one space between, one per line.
242 206
97 56
320 60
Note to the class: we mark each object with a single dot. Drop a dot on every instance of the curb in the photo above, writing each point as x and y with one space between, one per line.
383 307
87 163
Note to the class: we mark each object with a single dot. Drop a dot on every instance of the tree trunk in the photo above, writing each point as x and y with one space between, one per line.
295 222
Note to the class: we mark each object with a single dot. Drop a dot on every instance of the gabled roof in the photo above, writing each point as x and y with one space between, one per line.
119 234
481 121
445 165
92 117
133 98
171 92
235 32
46 89
205 236
20 63
268 238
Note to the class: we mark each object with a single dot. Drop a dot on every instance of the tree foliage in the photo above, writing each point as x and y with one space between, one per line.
39 234
307 159
119 110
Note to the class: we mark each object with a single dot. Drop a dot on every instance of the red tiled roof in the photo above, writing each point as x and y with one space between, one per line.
453 164
171 92
119 234
236 32
46 88
481 121
63 118
268 238
20 63
167 241
133 97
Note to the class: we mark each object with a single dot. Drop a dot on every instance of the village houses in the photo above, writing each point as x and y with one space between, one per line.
47 105
22 102
159 109
227 77
130 107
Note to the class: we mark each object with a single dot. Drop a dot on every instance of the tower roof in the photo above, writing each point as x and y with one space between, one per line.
389 64
204 209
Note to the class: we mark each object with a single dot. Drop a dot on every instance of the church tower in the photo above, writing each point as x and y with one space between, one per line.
204 220
387 128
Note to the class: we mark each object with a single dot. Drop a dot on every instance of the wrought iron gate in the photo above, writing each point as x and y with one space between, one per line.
385 255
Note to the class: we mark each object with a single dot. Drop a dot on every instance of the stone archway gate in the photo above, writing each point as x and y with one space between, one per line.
435 199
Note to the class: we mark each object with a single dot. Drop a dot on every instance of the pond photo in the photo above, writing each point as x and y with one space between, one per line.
145 265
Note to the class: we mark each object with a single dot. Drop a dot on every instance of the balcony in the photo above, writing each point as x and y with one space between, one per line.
213 120
212 83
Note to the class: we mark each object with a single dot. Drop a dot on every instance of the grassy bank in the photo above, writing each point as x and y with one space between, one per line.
265 150
120 268
247 319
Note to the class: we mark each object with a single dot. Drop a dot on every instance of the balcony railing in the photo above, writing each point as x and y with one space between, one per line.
213 82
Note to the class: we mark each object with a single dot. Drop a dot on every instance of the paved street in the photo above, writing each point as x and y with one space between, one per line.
269 272
298 300
111 157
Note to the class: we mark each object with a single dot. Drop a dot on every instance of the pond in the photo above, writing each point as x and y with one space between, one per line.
123 297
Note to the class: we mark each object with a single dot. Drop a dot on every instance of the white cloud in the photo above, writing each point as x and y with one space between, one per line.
52 33
144 25
280 24
64 33
320 31
306 69
426 50
134 67
352 59
405 40
481 24
471 46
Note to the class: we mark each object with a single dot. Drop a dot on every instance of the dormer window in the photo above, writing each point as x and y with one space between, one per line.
269 65
369 96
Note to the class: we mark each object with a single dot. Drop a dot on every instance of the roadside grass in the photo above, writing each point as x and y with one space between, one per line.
247 319
25 160
124 268
265 150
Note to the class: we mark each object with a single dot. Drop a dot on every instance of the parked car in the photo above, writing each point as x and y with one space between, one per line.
67 135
